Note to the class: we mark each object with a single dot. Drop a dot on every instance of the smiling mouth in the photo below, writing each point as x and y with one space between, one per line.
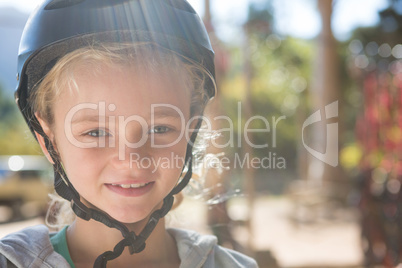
132 189
134 185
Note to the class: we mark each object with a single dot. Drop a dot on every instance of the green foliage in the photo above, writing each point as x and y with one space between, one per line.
7 110
280 76
15 137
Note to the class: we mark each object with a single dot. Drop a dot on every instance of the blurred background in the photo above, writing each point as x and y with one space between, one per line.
327 189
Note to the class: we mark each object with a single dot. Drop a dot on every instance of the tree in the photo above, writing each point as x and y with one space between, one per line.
375 60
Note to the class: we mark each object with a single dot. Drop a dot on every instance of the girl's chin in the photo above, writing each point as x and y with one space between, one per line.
130 217
129 214
134 214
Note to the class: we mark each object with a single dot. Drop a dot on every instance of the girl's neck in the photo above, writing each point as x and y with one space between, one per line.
89 239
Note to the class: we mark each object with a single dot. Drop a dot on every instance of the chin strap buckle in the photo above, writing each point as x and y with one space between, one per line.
80 209
136 244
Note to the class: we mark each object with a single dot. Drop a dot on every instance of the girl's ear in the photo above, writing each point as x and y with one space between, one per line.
42 145
41 139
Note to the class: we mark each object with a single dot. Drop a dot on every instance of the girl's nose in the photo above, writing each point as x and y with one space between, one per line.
137 160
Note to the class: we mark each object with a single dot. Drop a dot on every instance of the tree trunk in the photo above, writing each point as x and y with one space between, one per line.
325 90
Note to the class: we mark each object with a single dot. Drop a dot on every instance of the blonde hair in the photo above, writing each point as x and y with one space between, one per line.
148 57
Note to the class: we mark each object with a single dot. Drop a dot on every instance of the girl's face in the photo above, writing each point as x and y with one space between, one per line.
121 137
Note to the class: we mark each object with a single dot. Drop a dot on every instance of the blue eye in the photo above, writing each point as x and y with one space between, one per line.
159 130
97 133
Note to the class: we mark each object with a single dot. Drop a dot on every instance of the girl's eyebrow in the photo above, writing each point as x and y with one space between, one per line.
87 118
160 113
168 113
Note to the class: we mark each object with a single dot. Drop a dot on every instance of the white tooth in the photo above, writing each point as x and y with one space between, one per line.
138 185
125 186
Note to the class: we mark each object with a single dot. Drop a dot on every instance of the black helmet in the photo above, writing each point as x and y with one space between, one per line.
58 27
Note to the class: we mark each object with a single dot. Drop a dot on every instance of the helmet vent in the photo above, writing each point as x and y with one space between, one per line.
56 4
180 4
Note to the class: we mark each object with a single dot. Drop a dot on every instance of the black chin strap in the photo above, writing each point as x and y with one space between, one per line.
135 243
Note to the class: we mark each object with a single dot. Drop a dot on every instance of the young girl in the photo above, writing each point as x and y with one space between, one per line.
114 91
